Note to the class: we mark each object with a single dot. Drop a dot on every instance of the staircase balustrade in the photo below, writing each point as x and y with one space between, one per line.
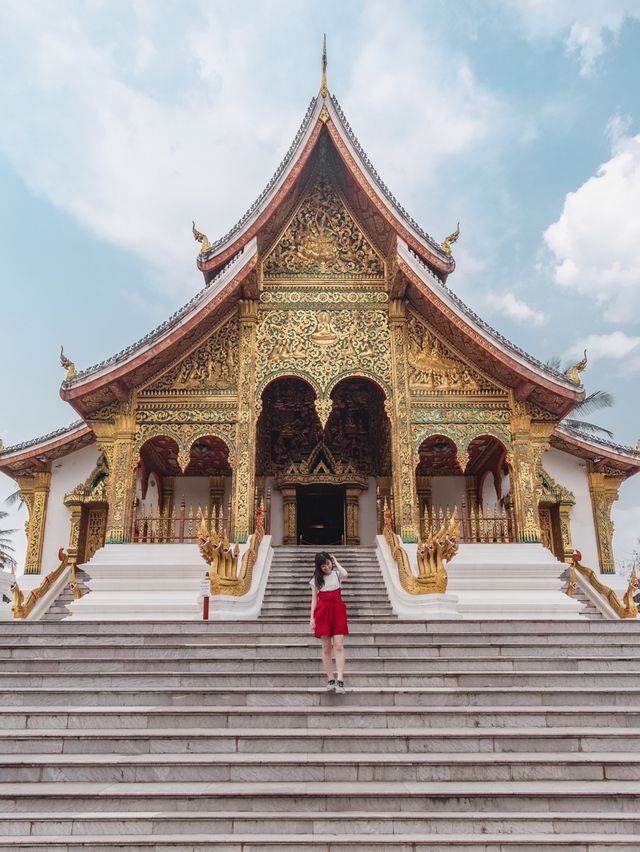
627 608
22 606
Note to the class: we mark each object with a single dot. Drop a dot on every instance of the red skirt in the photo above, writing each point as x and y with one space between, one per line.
330 615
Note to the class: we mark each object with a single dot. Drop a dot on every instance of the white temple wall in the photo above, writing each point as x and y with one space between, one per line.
489 496
66 473
277 513
194 490
368 514
447 491
571 473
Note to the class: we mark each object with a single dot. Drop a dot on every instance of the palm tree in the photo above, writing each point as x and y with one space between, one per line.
595 401
6 550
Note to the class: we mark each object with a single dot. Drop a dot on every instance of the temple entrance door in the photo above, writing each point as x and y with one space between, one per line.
551 530
320 514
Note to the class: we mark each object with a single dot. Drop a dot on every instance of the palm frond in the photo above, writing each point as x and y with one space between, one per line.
554 363
588 428
595 401
15 499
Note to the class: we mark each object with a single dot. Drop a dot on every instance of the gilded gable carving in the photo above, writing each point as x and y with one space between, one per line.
433 367
212 366
323 240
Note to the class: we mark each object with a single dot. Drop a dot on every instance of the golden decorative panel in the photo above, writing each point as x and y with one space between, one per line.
323 239
212 366
433 367
323 346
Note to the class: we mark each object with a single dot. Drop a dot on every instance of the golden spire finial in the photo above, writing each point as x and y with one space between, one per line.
450 240
323 80
69 366
574 372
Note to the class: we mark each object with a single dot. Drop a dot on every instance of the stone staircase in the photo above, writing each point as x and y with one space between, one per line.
495 736
288 594
61 606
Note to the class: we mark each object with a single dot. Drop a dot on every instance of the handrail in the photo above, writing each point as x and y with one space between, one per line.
628 608
21 606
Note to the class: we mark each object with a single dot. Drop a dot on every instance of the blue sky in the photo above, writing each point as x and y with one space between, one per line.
122 121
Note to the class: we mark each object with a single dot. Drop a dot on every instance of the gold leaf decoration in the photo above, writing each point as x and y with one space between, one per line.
323 240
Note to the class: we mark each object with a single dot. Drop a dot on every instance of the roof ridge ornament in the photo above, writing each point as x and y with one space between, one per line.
69 366
201 238
450 240
324 90
574 372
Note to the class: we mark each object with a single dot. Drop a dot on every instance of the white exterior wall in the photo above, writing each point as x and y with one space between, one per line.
194 490
489 497
277 513
571 472
66 473
447 491
368 514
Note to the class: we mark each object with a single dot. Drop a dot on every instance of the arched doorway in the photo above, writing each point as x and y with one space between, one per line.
169 501
475 483
322 481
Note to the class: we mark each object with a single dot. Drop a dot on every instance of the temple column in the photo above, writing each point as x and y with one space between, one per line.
352 532
244 471
424 493
564 510
530 442
289 514
116 441
604 489
399 411
74 531
216 497
34 490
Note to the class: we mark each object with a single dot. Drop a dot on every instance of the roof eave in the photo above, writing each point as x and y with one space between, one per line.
525 366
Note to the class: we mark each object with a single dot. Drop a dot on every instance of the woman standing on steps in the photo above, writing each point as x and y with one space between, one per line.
329 615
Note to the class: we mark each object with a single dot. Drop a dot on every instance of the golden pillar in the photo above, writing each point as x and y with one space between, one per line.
399 411
530 442
116 441
352 531
424 492
74 531
244 470
34 490
604 488
564 510
289 513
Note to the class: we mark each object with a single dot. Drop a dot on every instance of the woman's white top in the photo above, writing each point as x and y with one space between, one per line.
331 582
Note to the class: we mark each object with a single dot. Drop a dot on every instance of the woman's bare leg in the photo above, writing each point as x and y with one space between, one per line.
338 647
327 662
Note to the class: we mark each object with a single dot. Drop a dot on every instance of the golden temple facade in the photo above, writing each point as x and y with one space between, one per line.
326 372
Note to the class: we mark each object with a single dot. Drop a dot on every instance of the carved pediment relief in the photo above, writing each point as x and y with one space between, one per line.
212 366
434 367
323 239
549 491
321 468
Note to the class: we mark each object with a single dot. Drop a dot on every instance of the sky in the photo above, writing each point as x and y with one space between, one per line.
121 121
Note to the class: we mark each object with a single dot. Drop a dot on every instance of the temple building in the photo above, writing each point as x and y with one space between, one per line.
327 373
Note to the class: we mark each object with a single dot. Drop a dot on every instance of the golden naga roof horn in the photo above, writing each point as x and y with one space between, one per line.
574 372
201 238
450 240
69 366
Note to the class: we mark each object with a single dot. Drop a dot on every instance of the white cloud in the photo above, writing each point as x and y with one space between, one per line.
585 26
509 305
596 241
614 345
134 124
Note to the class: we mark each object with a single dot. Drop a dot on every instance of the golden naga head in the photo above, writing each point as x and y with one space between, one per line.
69 366
201 238
574 372
450 240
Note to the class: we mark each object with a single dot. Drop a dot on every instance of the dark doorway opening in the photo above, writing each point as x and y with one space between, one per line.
320 514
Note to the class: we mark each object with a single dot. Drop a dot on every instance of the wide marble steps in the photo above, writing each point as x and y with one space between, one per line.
495 735
288 594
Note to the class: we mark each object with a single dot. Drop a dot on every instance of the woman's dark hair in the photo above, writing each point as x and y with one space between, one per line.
321 557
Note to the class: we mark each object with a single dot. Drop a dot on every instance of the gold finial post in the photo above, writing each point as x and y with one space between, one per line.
324 91
201 238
